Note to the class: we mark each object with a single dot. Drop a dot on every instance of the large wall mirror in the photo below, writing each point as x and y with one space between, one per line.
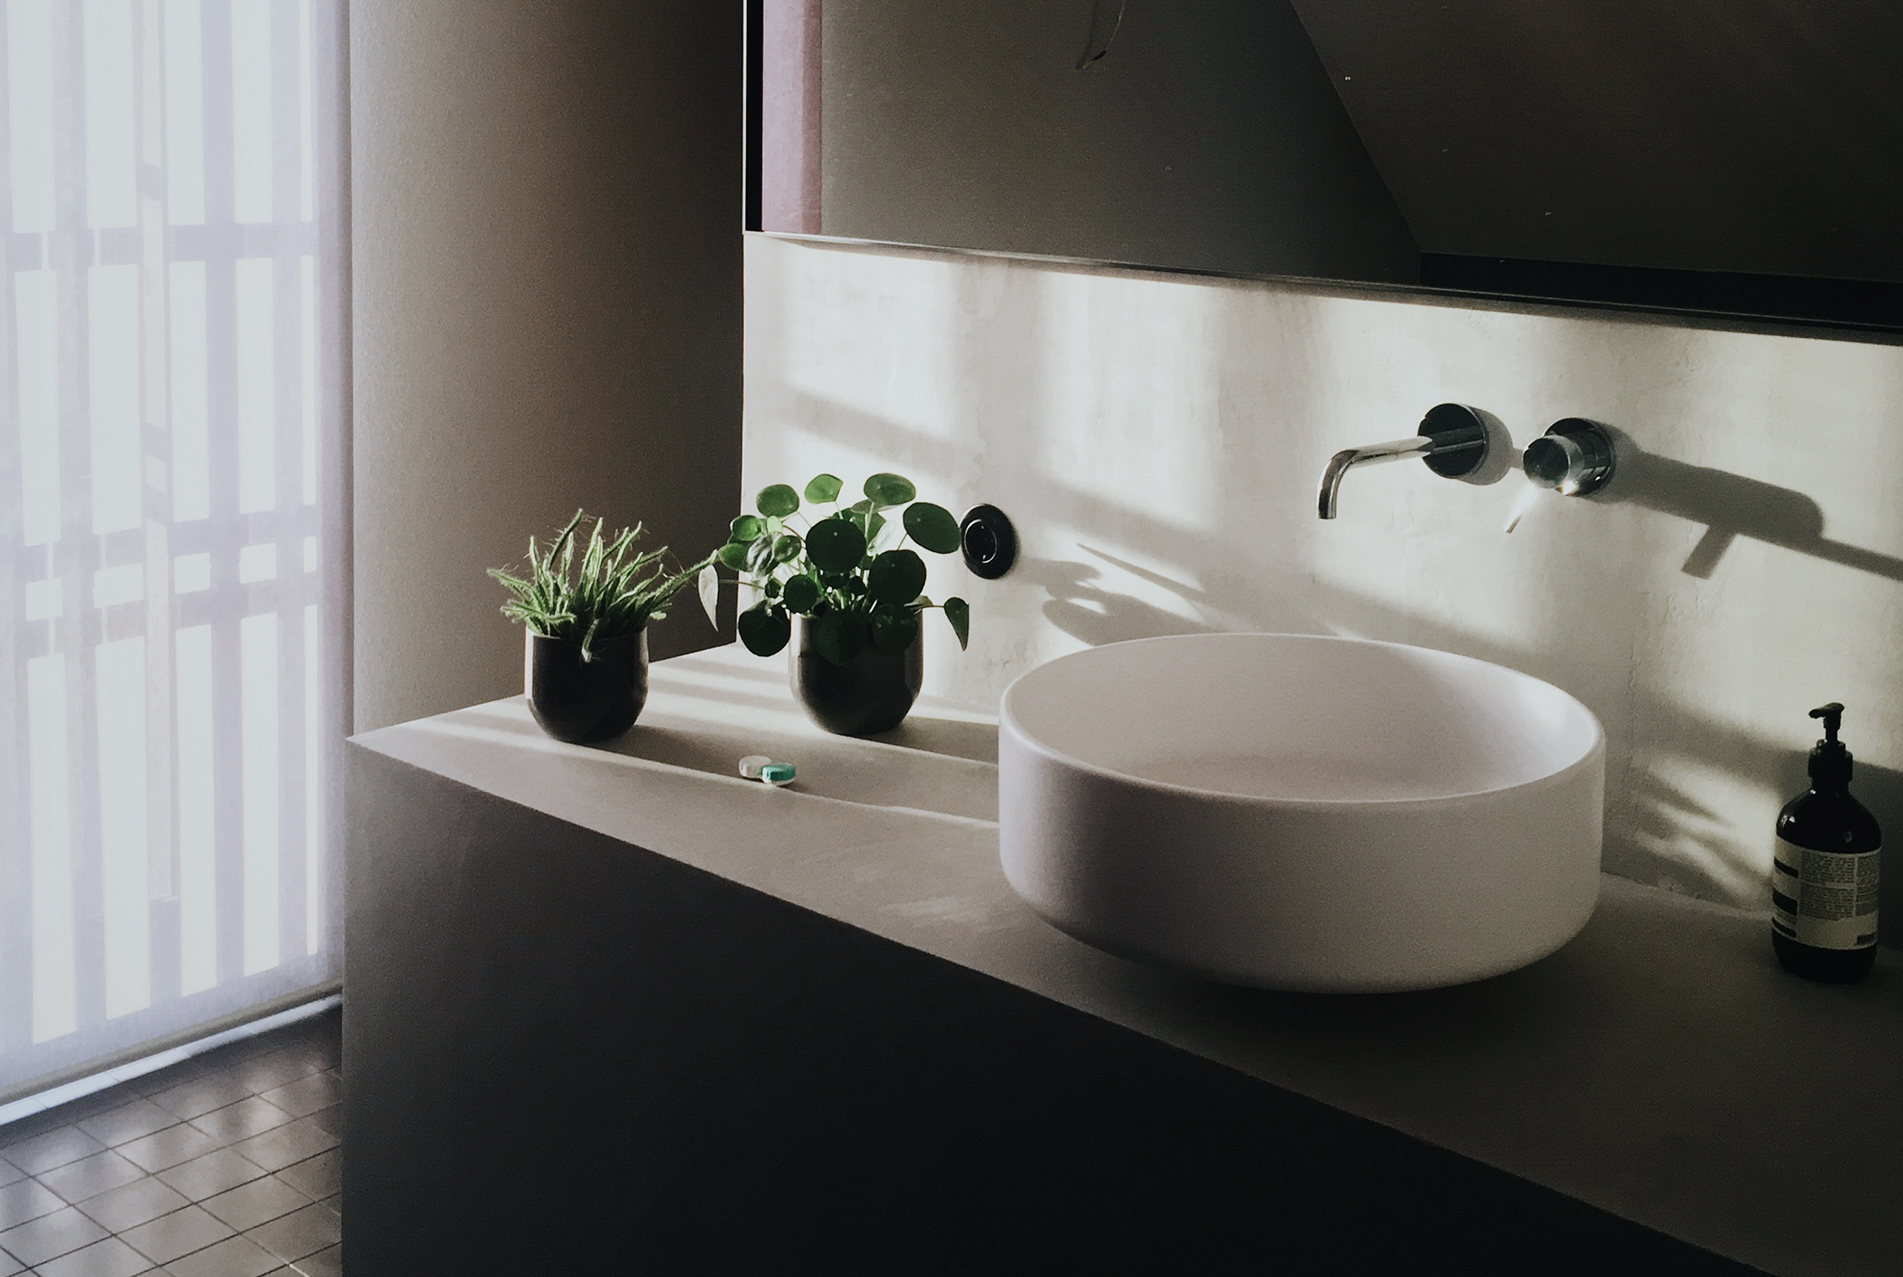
1742 158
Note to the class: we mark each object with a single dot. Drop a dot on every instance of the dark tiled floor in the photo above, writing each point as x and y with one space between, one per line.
224 1166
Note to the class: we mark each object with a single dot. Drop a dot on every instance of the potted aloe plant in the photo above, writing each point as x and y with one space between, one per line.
849 580
586 613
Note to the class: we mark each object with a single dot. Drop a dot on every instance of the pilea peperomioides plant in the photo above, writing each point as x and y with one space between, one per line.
849 571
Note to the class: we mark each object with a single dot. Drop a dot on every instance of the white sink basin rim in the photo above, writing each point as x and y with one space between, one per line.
1302 812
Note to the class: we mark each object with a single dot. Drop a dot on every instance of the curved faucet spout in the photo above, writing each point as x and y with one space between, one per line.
1341 462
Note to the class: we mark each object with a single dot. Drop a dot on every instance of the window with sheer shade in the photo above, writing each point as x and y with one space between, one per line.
163 563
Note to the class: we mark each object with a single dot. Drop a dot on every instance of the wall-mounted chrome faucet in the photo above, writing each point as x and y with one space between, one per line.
1574 458
1453 440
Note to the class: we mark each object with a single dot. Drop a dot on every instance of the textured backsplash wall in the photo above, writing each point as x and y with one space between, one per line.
1158 440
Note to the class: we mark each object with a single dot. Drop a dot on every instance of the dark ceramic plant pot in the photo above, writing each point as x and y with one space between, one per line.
873 692
580 701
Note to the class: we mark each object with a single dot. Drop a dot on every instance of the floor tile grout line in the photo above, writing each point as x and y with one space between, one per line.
94 1146
303 1058
120 1234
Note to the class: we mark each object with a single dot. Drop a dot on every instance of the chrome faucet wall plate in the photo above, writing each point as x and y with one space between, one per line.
1460 440
1575 457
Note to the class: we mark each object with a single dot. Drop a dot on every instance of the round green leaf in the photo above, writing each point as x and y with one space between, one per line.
894 631
786 548
777 501
822 488
889 489
764 628
801 593
771 587
932 526
896 577
871 524
744 529
837 636
734 555
835 545
958 612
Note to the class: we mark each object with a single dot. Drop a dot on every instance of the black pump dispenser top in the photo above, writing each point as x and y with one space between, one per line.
1829 760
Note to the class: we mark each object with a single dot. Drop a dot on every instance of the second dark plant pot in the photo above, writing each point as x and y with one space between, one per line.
581 701
873 692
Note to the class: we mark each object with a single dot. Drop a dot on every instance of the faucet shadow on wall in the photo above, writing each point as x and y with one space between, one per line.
1731 506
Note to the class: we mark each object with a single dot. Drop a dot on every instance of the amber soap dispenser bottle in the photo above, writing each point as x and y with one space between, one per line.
1824 877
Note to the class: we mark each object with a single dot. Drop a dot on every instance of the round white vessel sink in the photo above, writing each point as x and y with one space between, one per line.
1302 812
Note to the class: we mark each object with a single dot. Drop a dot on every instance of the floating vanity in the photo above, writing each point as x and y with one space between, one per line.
618 1009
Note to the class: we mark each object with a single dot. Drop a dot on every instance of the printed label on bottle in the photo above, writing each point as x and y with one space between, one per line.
1824 898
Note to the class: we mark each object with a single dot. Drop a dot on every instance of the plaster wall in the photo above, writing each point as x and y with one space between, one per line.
1157 441
547 291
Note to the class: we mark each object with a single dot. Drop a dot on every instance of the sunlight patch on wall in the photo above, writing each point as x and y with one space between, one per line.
853 343
1696 828
1130 424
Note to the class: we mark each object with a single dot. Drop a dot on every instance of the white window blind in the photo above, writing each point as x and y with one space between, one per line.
166 566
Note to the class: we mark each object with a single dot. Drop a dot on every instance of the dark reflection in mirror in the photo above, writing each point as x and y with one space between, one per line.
1735 159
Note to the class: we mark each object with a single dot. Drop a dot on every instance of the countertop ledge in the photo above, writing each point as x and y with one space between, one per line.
1661 1066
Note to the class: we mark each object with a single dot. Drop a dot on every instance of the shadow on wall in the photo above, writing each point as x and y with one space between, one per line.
1881 790
1078 603
1666 835
1156 424
1730 506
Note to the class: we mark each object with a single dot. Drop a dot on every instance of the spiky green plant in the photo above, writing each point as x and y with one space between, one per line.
603 593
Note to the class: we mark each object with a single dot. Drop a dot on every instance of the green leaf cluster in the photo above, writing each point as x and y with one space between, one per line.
601 591
847 570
